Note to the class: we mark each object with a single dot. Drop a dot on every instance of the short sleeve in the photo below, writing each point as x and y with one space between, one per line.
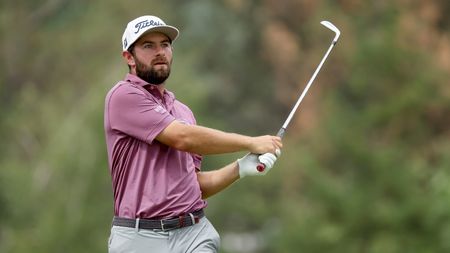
136 113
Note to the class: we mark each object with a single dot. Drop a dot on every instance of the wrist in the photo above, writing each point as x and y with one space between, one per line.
235 172
240 166
248 143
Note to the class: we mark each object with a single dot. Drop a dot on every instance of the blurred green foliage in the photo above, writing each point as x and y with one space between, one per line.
366 162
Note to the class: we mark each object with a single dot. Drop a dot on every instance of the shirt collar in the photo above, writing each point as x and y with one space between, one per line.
135 80
168 97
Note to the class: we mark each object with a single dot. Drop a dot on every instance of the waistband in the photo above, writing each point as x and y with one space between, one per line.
183 220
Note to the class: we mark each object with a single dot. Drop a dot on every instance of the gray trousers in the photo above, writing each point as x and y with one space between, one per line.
199 238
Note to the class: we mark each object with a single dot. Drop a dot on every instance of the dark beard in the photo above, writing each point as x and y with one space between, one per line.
150 74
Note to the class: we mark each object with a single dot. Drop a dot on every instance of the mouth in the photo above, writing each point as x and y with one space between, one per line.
160 62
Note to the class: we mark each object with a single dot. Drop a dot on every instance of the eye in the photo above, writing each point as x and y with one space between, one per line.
148 45
165 44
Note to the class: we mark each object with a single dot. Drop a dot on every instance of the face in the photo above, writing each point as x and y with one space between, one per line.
152 58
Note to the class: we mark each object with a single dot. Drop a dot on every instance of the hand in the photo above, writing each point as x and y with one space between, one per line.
265 160
249 163
265 144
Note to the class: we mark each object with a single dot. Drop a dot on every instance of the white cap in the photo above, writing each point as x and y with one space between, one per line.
137 27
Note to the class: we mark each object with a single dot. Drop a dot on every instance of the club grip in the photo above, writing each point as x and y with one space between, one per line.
281 132
261 167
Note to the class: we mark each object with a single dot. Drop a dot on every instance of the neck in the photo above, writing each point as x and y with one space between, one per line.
161 88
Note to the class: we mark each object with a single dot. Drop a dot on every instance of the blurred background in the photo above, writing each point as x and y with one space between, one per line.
366 161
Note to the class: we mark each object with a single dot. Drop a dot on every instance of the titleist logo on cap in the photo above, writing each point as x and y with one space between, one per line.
146 23
139 26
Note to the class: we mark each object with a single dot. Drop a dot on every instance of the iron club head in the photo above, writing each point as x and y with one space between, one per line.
333 28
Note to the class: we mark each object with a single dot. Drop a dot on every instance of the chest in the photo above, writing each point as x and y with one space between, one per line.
175 108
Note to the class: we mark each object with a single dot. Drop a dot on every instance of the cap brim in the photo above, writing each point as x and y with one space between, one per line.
167 30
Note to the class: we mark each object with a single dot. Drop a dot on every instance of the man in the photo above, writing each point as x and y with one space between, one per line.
155 150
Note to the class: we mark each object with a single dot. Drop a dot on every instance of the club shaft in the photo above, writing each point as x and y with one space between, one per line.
291 114
261 166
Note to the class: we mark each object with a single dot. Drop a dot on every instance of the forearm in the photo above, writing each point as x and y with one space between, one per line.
203 140
212 182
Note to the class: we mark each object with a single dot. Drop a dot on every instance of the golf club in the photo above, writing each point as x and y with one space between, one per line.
261 167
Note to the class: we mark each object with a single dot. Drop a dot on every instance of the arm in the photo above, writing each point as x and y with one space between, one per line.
132 112
203 140
212 182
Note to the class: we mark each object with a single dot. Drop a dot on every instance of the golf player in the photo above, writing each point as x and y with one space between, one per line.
155 151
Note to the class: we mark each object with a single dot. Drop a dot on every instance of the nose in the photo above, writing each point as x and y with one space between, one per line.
159 50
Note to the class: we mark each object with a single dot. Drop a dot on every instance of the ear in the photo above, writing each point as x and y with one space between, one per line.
129 58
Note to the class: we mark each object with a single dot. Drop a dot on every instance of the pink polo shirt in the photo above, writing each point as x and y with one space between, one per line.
149 179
